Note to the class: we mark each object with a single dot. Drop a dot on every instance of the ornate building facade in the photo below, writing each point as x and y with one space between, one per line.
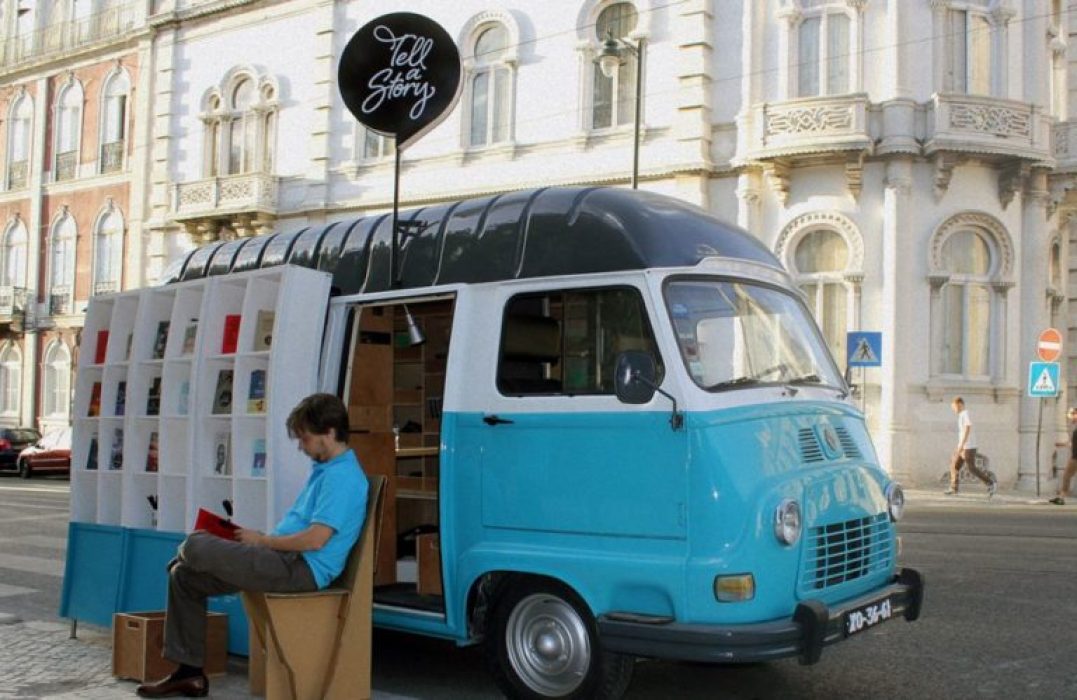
911 162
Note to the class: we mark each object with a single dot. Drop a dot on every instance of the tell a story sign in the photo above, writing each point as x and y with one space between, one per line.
400 75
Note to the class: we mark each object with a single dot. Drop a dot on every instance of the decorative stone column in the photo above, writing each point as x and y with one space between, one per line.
902 351
1034 318
750 202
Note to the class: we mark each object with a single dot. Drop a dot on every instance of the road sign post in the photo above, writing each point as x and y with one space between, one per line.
863 349
1043 380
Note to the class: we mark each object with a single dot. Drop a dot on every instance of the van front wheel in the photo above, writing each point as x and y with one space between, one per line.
542 642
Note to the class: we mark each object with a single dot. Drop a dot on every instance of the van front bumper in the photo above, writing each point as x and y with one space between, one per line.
813 626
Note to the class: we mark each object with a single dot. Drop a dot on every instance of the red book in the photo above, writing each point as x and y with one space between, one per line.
102 344
231 333
215 524
95 400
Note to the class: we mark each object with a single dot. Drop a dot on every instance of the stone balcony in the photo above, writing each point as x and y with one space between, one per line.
245 203
62 38
806 127
987 126
12 303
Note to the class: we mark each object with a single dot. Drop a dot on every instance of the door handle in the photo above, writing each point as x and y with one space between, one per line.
495 420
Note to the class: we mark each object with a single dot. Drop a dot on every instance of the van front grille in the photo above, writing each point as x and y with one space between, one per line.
841 552
810 450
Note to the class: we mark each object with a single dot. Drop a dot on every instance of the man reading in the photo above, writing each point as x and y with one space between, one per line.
305 552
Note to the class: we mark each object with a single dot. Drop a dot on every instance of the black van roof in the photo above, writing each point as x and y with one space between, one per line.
530 233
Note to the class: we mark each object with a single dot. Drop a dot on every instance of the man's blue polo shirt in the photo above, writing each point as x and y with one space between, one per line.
335 495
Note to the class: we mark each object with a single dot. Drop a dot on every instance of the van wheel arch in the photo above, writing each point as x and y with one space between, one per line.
541 641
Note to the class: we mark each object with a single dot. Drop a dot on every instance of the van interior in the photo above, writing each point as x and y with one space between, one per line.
395 384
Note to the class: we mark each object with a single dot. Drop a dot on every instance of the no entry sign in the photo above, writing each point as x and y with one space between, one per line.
1049 346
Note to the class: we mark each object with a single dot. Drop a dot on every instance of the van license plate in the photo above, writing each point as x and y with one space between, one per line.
866 616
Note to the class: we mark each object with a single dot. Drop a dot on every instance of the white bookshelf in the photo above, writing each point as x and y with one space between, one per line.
185 427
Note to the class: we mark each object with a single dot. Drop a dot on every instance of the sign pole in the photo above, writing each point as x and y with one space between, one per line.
394 250
1039 432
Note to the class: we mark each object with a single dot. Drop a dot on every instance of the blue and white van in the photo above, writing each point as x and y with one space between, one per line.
612 430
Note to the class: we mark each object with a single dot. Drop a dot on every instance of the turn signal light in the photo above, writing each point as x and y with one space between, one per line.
735 588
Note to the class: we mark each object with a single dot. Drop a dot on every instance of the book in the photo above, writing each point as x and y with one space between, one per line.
153 398
95 400
215 524
184 394
256 395
222 395
116 454
99 350
189 334
121 398
151 453
161 340
263 329
258 463
230 336
91 458
222 453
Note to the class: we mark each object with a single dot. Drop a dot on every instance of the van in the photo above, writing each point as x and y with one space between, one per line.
611 430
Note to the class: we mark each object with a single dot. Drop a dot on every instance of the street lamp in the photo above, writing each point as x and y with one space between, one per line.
609 60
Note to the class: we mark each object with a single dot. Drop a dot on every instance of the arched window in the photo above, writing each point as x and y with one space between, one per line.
62 265
114 122
108 252
823 54
240 119
13 266
18 152
821 258
967 33
612 98
212 120
243 128
971 259
10 379
490 88
56 389
68 129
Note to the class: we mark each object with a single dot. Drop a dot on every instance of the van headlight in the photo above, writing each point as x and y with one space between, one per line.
895 501
787 522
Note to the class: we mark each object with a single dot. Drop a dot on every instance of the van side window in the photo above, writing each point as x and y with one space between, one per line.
566 342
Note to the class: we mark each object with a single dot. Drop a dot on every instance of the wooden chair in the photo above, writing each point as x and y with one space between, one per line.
317 645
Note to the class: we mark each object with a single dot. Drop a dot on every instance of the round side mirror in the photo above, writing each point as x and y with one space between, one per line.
634 376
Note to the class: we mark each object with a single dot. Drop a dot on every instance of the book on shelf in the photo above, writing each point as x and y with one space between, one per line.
161 340
189 334
94 408
121 398
263 329
91 458
151 453
153 398
116 453
222 395
102 345
256 395
230 336
184 397
222 453
258 462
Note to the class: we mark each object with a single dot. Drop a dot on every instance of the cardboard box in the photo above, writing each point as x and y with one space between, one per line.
428 554
138 637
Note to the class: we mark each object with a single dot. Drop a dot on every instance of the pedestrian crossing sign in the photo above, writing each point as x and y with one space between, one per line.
864 348
1043 379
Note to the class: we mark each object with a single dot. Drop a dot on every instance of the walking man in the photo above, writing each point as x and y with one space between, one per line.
305 551
966 450
1071 465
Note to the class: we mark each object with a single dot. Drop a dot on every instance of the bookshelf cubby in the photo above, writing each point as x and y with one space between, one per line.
169 372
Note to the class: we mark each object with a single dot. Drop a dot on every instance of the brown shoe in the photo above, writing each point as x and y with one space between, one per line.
189 687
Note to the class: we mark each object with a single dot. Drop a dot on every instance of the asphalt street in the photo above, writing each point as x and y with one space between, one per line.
1000 619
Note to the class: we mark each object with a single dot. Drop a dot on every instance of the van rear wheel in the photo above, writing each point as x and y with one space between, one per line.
542 642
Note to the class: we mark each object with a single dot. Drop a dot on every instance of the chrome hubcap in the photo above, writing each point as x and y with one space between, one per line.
547 645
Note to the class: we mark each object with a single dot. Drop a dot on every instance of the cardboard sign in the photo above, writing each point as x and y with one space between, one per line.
400 75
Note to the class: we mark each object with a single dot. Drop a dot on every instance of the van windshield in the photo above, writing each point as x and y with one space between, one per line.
733 334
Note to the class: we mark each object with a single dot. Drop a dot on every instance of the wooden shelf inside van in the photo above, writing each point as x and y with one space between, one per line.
404 452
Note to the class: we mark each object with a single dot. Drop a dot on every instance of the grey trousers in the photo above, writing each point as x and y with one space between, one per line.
207 565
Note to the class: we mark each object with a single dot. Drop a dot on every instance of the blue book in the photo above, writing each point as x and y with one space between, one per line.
256 395
258 464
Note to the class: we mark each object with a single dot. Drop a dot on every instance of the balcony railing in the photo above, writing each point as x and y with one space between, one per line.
60 302
18 174
106 287
987 125
65 165
12 302
807 126
222 196
63 37
112 157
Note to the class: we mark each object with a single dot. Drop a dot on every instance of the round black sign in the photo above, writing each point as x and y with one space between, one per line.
400 74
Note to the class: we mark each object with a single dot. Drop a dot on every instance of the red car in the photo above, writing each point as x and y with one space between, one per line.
52 453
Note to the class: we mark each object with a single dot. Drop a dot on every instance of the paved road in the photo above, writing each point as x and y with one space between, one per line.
1000 619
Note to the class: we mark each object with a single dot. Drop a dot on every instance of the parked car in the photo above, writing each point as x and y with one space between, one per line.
12 442
51 453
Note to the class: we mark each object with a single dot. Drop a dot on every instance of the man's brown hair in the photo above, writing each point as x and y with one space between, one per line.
318 414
